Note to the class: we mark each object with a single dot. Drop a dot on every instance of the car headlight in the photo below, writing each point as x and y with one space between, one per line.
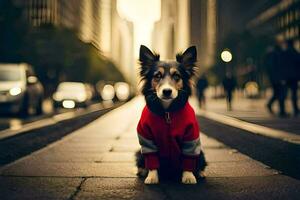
15 91
68 104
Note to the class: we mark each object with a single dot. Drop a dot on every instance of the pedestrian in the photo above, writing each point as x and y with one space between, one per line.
229 84
274 67
201 86
292 66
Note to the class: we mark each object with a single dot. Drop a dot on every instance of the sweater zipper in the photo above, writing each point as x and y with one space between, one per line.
167 117
168 121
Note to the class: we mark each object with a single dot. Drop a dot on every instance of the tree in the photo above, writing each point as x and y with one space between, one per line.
56 53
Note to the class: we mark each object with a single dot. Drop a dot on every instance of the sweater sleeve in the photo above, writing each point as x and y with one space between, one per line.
148 146
191 147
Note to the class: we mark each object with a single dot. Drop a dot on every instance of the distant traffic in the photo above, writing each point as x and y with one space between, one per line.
22 94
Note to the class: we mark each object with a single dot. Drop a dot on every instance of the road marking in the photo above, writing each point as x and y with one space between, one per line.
253 128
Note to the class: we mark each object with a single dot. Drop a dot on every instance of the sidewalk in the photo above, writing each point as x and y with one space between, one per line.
97 162
254 111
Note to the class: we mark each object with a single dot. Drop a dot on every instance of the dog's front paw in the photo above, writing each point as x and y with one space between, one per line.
188 178
152 177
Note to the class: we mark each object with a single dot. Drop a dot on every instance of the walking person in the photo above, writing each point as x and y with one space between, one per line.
229 84
274 68
292 66
201 86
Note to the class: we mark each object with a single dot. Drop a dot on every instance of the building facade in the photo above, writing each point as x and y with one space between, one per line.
280 20
184 23
172 32
203 30
121 45
82 16
94 21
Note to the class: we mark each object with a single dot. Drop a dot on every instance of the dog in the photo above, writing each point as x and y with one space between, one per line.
168 131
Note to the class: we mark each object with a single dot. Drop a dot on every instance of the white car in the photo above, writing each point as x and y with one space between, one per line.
20 89
71 95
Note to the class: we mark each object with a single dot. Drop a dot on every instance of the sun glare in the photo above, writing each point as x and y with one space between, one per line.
143 14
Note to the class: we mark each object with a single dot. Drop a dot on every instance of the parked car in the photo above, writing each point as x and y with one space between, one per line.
20 89
71 95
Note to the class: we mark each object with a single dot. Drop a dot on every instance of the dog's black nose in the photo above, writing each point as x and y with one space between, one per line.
167 92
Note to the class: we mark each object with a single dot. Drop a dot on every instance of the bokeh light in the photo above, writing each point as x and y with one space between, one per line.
226 56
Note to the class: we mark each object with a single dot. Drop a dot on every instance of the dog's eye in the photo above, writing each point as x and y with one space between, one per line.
157 76
176 77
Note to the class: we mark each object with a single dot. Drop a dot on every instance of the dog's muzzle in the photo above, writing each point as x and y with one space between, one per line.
167 93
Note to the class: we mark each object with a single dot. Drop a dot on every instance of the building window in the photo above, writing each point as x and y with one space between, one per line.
291 16
297 14
292 32
296 31
297 45
287 34
282 21
287 19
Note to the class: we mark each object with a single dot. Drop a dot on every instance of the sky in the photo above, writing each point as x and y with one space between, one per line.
143 18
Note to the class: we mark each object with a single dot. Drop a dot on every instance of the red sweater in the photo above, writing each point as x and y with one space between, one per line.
173 137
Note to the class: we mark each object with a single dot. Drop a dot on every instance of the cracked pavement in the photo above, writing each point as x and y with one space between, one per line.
97 162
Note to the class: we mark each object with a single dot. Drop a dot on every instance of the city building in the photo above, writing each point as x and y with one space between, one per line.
121 44
94 21
203 30
39 12
281 19
172 32
82 16
90 28
185 23
181 23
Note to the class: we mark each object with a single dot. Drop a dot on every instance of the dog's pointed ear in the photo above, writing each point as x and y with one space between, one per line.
146 55
147 60
189 56
188 59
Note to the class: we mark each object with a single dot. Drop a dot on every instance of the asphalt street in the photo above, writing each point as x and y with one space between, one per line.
32 136
97 162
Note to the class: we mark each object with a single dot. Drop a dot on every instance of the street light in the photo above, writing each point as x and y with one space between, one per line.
228 81
226 56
